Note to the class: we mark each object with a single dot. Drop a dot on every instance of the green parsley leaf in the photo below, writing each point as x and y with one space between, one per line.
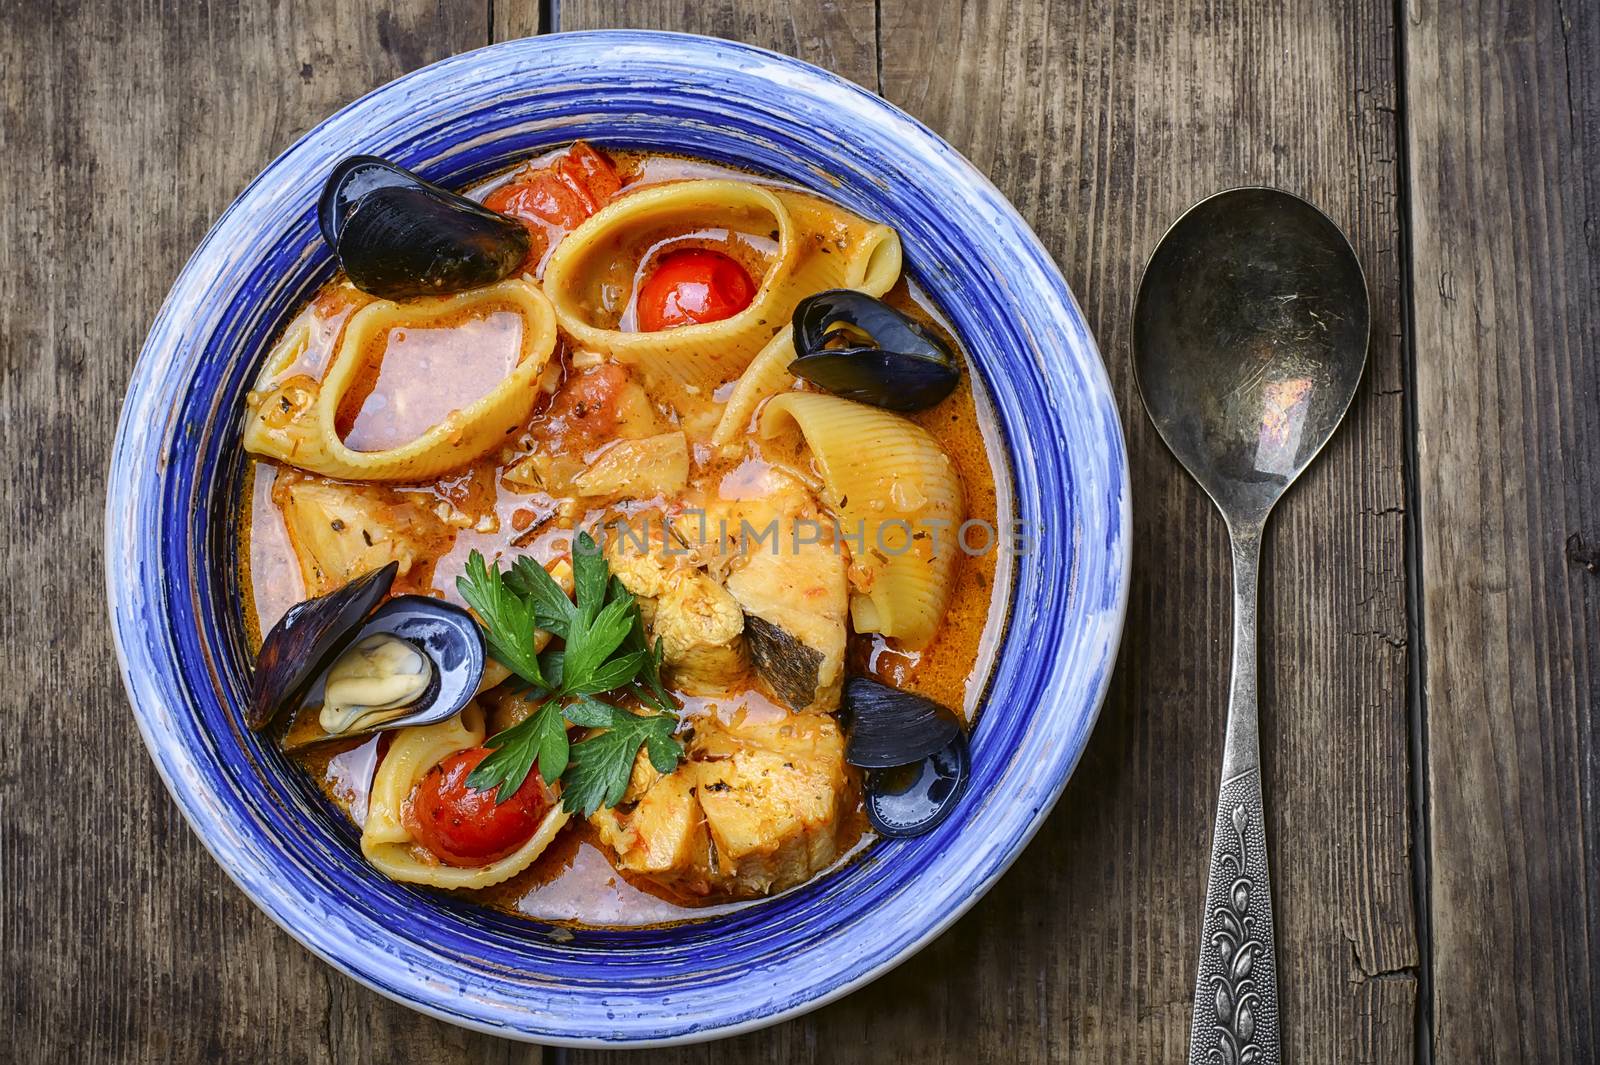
591 713
591 642
540 738
602 763
589 575
664 750
552 609
508 619
616 673
651 691
554 664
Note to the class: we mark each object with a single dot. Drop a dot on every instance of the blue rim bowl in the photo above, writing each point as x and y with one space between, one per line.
177 468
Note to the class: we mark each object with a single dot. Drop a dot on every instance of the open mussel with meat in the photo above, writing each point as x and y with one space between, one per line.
415 660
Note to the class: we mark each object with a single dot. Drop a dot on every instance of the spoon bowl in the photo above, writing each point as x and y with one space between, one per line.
1249 339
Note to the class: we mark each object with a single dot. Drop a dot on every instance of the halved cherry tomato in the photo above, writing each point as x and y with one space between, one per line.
692 287
466 827
555 200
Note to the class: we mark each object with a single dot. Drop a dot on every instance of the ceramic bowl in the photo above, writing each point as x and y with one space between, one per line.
172 574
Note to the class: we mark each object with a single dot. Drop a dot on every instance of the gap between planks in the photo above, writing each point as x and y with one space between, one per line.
1416 636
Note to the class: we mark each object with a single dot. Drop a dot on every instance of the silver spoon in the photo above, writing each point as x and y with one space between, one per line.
1249 338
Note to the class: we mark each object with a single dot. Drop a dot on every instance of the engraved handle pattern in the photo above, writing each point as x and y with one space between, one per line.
1236 990
1235 1018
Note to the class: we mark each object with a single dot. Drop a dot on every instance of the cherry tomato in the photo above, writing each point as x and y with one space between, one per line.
466 827
692 287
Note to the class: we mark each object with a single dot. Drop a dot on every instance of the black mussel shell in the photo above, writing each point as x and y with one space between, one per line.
912 799
352 179
888 379
308 638
450 639
398 236
891 360
888 727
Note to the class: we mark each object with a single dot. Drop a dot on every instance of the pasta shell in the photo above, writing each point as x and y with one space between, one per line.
294 422
838 250
384 839
899 503
697 356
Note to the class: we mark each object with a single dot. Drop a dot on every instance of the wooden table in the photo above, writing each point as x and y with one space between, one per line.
1430 671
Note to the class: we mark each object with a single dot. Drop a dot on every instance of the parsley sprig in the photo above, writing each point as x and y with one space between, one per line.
606 650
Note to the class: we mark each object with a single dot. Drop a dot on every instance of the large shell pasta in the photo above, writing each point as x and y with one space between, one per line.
813 248
296 419
838 250
384 838
873 268
898 499
341 531
699 356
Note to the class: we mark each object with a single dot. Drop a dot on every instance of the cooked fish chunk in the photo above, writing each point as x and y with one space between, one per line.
757 808
342 531
795 602
774 796
642 567
701 629
663 836
653 466
700 626
790 581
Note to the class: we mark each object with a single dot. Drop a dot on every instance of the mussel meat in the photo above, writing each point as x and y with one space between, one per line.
379 676
417 661
915 751
413 661
912 799
858 347
398 236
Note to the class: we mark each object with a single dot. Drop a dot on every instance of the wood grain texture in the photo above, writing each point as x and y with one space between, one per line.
837 34
1102 122
1503 109
125 130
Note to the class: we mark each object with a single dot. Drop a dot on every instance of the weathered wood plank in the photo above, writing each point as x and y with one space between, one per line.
1503 112
837 34
126 129
1103 121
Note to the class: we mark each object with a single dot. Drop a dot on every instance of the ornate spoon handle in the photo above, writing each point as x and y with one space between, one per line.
1236 988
